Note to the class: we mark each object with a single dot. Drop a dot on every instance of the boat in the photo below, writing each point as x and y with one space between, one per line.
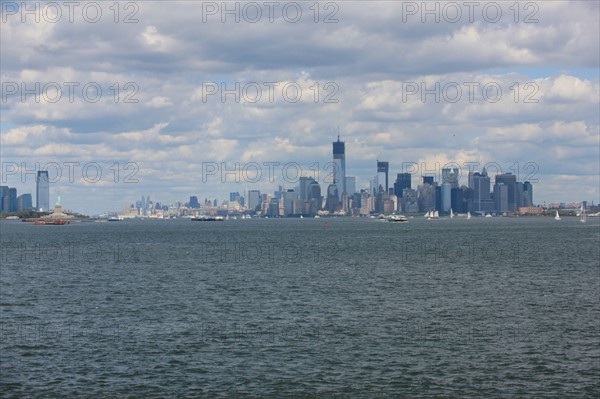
557 217
317 216
468 215
451 214
487 215
582 215
397 218
436 214
115 219
57 222
208 219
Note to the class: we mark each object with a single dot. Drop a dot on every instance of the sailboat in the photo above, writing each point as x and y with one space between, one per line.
557 217
436 214
582 215
468 215
427 214
451 214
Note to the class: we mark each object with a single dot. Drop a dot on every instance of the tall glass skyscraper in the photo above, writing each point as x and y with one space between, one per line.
339 162
42 191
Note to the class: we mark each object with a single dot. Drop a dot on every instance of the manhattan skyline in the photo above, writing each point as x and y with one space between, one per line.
395 88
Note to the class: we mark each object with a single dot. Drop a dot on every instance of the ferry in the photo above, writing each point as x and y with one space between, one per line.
208 219
57 222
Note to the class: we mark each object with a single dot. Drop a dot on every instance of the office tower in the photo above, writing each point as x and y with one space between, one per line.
438 198
450 176
194 204
234 196
254 200
427 179
519 199
383 169
426 197
288 202
24 202
339 164
470 180
527 194
350 186
273 209
4 194
510 181
42 191
332 203
314 197
446 197
302 187
373 186
501 197
12 199
481 192
403 180
456 201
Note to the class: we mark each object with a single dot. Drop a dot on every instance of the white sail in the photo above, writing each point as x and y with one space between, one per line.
436 214
583 216
468 215
557 217
451 214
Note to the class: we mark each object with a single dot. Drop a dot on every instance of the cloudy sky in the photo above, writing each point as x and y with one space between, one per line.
488 83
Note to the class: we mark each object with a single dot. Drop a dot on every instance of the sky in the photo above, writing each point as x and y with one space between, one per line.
204 98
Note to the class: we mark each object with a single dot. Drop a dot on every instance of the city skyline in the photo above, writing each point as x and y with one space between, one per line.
395 88
326 173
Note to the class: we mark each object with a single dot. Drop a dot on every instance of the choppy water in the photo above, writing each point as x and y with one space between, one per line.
351 308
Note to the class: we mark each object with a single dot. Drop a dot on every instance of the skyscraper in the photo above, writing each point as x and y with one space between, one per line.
24 202
42 191
510 181
12 199
403 180
450 175
339 162
350 185
383 169
254 200
4 198
527 194
194 204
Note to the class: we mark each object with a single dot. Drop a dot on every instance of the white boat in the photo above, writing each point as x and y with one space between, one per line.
557 217
427 214
451 214
301 217
582 215
436 214
468 215
397 218
488 215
